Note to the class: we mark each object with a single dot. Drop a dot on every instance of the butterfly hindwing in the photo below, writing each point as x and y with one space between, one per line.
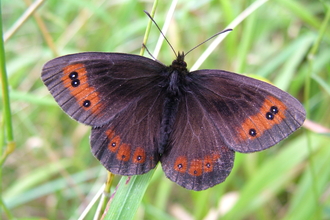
93 87
127 145
196 156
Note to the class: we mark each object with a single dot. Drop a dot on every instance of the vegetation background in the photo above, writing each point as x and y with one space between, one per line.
52 174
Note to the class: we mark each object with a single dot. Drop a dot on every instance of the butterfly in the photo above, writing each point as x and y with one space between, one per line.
143 112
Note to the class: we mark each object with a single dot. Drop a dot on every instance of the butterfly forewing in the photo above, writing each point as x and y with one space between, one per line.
94 87
250 114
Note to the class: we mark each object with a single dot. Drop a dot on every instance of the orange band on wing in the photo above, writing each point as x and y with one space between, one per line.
124 152
255 125
196 167
82 91
180 164
209 162
139 155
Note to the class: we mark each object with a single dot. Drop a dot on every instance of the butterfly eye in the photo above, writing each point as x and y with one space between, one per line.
114 141
75 83
87 103
196 167
274 110
73 75
124 152
180 164
209 161
139 155
253 132
269 116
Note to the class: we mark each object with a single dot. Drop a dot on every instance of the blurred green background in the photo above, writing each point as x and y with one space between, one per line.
52 173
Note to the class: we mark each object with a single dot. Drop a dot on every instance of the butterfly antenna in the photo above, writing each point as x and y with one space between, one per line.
145 47
161 32
221 32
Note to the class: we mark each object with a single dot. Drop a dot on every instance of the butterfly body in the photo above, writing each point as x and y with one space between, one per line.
143 112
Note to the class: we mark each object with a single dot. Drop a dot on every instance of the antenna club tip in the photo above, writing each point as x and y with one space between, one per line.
228 29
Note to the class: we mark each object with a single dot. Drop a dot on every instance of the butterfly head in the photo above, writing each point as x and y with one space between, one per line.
179 63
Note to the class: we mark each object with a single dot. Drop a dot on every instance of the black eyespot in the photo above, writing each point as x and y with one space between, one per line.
195 171
208 165
180 166
73 75
113 144
87 103
253 132
269 116
138 157
75 83
123 156
274 110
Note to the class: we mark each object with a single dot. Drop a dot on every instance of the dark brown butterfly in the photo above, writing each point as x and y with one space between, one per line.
142 112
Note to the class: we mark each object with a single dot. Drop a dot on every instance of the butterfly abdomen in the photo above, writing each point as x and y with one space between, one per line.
168 118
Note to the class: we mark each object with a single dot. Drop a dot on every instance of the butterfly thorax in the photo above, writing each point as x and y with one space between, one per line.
177 73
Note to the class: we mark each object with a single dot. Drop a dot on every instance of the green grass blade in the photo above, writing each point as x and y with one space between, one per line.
127 197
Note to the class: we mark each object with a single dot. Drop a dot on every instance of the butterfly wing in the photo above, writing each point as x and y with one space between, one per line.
120 96
223 112
127 145
252 115
94 87
196 157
